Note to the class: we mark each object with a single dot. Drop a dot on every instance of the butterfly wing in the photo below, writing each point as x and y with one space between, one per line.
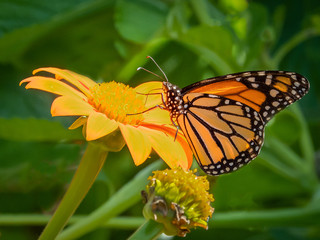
267 92
224 134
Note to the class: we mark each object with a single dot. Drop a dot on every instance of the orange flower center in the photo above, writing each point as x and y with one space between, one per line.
116 101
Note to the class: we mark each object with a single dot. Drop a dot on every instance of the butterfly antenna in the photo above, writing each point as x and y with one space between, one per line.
141 68
165 76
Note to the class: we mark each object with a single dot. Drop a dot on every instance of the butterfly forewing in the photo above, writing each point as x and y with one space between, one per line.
224 134
267 92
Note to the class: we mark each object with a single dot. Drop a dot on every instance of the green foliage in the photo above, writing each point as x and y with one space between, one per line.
191 40
38 130
127 19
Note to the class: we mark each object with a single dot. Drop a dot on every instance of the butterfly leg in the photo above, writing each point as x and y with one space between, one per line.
177 127
149 93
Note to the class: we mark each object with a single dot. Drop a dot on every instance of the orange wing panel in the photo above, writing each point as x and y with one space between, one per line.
236 91
244 101
228 148
281 87
285 80
254 96
221 88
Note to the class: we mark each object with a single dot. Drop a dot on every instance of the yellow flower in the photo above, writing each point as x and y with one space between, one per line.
104 108
179 200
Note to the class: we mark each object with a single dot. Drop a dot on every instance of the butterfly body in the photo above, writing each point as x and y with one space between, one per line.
174 101
223 118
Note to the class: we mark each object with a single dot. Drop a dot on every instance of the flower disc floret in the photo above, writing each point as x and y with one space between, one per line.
118 102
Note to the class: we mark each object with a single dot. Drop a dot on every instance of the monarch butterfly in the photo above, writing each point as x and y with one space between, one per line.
223 118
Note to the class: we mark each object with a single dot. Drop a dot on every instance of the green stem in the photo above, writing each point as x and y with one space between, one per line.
287 156
214 60
303 169
87 171
139 59
149 230
269 160
201 11
40 220
127 196
238 219
306 216
280 162
292 43
305 140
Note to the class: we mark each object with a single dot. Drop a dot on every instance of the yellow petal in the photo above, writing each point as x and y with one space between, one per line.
98 125
79 122
157 116
70 106
81 82
51 85
148 86
174 152
138 144
154 89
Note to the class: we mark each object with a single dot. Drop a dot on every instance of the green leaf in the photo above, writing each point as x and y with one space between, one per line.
315 20
279 16
286 127
254 42
26 167
21 23
207 13
253 187
213 43
139 20
16 14
31 129
215 38
52 42
234 6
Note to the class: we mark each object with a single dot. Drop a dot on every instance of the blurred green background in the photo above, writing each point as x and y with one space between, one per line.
191 40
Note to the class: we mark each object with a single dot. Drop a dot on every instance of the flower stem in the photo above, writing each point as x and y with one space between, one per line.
286 154
305 216
238 219
306 139
272 162
220 65
151 48
201 11
124 222
292 43
149 230
87 171
127 196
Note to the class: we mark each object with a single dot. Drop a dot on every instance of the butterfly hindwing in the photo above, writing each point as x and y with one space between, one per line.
224 134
